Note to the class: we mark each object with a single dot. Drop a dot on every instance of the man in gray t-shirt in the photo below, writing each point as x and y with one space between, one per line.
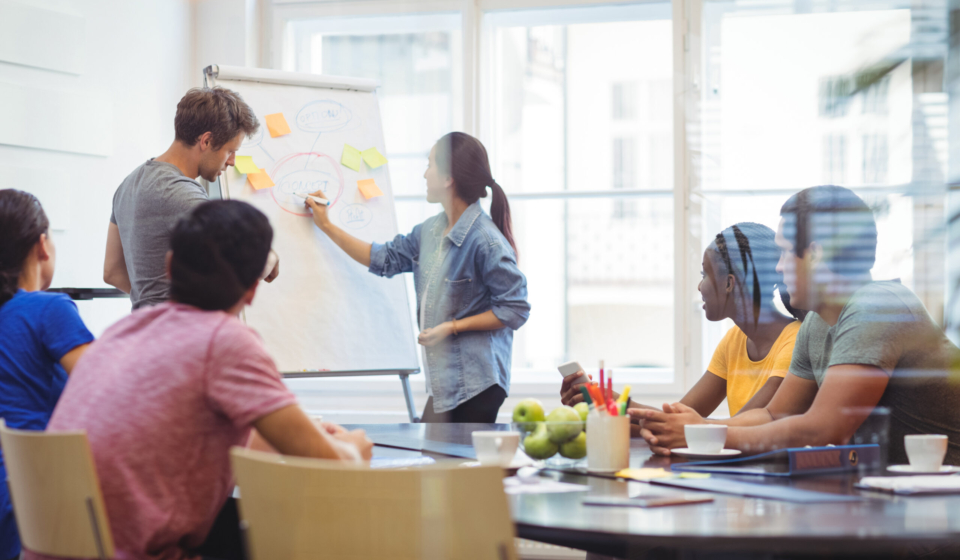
145 208
210 126
863 345
885 325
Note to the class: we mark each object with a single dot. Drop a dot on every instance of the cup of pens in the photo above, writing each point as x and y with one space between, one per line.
608 426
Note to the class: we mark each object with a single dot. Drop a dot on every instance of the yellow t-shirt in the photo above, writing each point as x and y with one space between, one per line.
744 376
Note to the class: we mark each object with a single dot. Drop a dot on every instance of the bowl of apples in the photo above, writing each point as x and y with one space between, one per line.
558 439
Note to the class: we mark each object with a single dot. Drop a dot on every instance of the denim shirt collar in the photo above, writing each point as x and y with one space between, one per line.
463 225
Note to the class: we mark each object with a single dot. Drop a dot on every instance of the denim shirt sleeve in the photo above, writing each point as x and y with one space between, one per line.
507 285
393 257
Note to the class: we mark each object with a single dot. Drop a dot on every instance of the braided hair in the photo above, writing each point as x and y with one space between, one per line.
747 250
22 222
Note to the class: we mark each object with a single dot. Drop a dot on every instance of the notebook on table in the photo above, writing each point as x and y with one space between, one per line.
794 461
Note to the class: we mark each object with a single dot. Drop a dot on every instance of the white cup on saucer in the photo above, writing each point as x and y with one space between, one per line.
705 439
925 451
496 448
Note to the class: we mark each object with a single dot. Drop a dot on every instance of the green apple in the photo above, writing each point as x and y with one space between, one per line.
564 424
528 410
538 445
576 448
583 409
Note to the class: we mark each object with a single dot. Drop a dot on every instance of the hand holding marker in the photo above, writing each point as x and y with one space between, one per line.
316 199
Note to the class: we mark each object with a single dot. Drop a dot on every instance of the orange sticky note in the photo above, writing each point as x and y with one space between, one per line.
260 180
369 188
277 125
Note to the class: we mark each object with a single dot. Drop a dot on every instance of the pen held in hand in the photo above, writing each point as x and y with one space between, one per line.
318 200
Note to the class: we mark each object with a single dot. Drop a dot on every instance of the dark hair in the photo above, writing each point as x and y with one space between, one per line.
837 219
216 110
219 251
747 250
464 158
22 222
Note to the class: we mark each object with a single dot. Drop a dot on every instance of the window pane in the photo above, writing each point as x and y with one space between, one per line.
862 106
568 111
599 288
416 59
561 88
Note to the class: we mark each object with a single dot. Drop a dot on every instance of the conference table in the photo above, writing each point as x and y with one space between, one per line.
876 525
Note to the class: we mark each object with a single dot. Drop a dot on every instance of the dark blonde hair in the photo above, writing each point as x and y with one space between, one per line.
219 111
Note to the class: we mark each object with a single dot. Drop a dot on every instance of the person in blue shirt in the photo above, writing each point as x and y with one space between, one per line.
41 334
471 295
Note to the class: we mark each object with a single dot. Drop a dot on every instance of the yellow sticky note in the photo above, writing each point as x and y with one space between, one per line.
694 475
642 474
277 125
350 157
260 180
245 165
373 157
369 189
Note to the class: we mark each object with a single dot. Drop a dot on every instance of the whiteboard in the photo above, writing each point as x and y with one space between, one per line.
325 312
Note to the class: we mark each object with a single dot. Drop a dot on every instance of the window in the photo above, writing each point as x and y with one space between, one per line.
577 104
849 108
624 101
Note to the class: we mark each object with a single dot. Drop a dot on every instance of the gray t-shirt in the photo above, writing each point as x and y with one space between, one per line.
885 325
146 206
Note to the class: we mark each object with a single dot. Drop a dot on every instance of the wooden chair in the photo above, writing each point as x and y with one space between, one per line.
56 493
299 509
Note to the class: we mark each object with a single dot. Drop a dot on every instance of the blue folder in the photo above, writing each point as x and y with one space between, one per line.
794 461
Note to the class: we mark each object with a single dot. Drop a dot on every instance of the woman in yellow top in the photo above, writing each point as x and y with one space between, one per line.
739 278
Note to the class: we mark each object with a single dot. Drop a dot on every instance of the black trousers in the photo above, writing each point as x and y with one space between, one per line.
482 408
224 542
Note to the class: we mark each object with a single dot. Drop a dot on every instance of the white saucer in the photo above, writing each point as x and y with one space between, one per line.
724 454
944 469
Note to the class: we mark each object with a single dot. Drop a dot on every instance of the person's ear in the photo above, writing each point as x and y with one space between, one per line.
167 260
731 282
814 254
43 248
206 141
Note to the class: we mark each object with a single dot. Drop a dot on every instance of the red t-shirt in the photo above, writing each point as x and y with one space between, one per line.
163 396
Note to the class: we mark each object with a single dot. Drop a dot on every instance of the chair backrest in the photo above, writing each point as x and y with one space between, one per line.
56 493
300 509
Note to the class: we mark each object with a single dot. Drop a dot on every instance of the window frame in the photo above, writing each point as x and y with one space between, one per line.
687 59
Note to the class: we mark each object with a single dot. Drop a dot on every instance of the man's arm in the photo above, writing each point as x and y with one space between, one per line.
291 432
664 430
114 266
847 397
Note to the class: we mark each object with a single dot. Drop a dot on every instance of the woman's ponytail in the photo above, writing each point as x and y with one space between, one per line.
463 158
22 222
500 214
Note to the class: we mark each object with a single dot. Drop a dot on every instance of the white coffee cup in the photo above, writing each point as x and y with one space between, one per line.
705 438
608 442
925 452
496 448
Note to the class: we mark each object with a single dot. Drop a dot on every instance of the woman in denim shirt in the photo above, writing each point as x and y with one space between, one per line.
470 294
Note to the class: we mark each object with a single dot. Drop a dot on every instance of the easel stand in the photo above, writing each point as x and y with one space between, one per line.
404 382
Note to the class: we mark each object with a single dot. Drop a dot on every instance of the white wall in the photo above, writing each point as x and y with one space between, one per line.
136 56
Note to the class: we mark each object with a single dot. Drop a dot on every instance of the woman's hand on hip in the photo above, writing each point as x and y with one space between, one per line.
434 335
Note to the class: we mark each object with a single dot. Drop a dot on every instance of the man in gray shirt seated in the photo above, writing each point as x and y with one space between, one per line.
210 125
865 344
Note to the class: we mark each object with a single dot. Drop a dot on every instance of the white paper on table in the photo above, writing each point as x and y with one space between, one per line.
513 485
913 484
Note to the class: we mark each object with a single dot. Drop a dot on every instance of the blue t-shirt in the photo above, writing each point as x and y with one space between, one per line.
36 330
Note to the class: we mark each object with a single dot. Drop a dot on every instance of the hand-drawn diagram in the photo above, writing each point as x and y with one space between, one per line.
255 141
323 116
305 173
355 216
